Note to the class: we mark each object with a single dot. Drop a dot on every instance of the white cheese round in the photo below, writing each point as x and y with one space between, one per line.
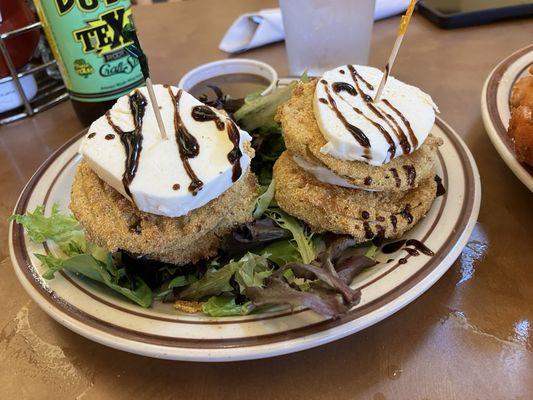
325 175
398 124
161 183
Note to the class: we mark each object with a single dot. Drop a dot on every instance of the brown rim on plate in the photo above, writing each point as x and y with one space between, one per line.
24 264
491 98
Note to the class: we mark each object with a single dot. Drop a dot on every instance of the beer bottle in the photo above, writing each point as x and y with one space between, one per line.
87 40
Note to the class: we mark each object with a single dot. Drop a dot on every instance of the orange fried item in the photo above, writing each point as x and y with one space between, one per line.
521 132
521 123
523 91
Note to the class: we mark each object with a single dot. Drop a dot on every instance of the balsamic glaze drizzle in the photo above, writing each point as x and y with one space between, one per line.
398 131
205 113
414 140
380 236
361 92
392 247
411 252
397 179
440 187
392 146
410 171
421 247
394 222
406 213
418 247
404 143
234 156
368 232
344 87
131 140
187 144
356 76
355 131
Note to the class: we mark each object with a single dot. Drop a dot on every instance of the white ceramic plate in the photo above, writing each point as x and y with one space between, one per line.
496 111
99 314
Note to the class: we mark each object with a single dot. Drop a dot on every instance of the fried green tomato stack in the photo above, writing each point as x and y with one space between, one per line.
113 222
389 199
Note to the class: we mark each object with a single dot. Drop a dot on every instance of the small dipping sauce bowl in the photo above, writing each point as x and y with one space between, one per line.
237 77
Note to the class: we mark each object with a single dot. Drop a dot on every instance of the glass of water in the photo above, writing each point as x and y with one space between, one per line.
323 34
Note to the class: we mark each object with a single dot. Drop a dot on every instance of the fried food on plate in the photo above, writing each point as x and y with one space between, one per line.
165 199
113 222
521 133
353 166
304 139
356 212
521 123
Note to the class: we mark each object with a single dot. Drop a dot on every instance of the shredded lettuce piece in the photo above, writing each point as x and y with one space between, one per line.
303 284
225 306
259 111
249 271
182 280
107 273
214 282
56 227
282 252
372 251
253 271
78 256
53 264
304 77
264 200
302 238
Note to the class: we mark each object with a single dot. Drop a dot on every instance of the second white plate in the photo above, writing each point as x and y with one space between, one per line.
496 112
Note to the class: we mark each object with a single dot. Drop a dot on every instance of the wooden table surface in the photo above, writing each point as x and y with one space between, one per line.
468 337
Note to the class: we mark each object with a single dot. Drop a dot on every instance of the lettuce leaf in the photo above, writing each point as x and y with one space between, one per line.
304 77
253 271
56 227
107 273
214 282
252 235
78 256
250 270
259 111
264 200
64 230
277 291
282 252
224 306
302 238
182 280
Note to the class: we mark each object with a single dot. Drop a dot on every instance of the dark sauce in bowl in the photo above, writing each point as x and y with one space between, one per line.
236 86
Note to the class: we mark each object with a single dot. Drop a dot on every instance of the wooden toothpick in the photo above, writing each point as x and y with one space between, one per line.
135 50
401 33
155 106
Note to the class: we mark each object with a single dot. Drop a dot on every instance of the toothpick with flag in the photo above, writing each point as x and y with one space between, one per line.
135 50
401 33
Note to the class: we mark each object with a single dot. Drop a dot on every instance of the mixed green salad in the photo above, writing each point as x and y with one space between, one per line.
275 260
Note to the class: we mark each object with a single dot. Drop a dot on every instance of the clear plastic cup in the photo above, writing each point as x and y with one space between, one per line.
323 34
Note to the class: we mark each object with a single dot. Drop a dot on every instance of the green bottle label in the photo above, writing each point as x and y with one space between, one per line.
86 37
